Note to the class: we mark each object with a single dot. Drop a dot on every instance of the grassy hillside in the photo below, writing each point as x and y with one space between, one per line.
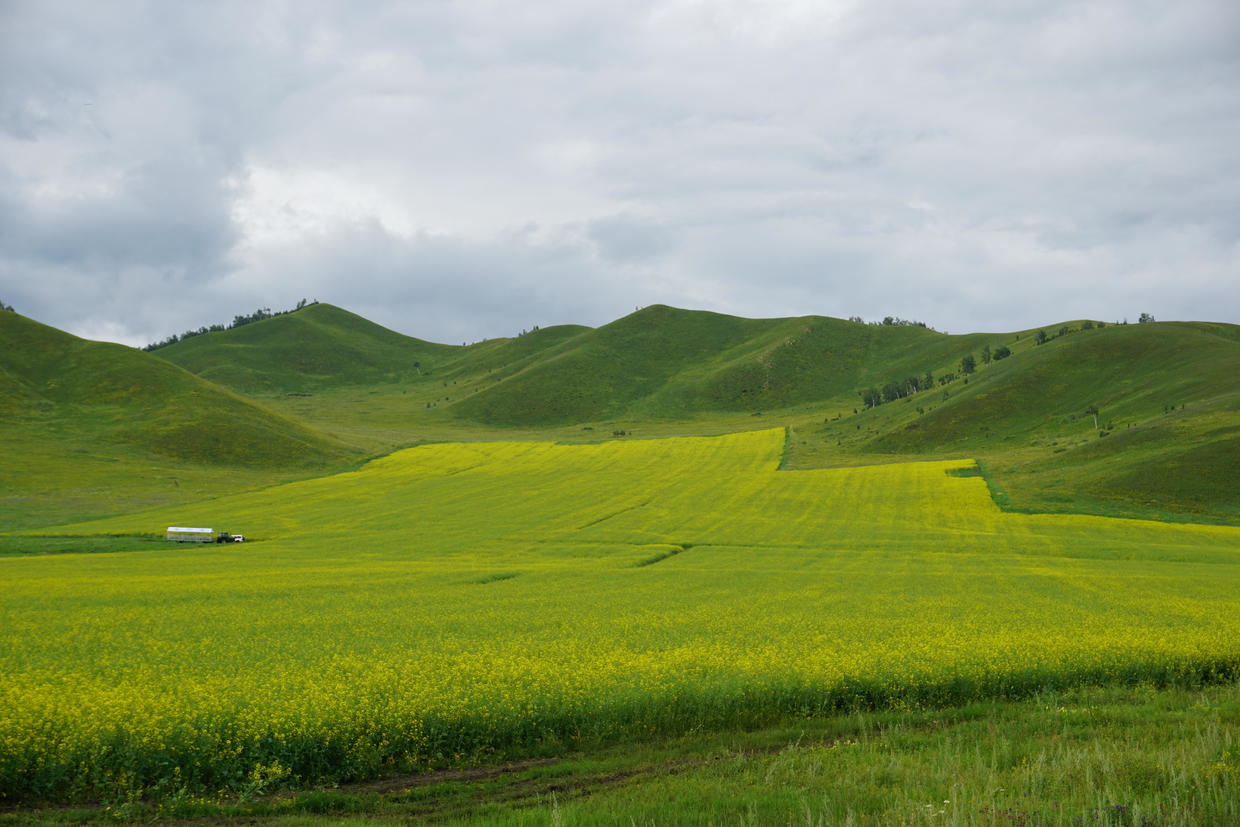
1167 394
601 373
89 426
670 363
1129 373
318 346
657 362
1167 432
1166 442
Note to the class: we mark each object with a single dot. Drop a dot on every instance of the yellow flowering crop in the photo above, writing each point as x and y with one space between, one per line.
451 602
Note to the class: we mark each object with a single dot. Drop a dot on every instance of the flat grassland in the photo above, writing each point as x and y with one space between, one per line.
469 602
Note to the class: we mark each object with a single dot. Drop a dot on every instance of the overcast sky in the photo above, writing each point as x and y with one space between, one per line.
460 170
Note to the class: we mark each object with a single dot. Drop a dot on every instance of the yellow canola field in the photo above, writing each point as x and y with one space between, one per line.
453 602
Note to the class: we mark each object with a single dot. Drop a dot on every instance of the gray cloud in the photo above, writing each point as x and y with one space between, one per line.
623 239
465 170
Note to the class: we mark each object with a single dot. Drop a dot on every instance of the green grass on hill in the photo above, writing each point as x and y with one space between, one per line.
663 362
318 346
1167 434
1130 373
89 428
1168 395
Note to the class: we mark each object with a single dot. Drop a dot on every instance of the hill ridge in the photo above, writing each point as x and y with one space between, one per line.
1120 419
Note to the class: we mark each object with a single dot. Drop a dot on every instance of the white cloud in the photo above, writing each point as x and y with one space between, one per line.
469 169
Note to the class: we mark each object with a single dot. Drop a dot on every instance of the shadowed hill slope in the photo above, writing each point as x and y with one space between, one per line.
318 346
1166 430
671 363
51 378
603 372
1125 371
659 361
1166 440
322 346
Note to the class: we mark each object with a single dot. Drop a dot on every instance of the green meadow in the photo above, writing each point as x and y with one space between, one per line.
674 559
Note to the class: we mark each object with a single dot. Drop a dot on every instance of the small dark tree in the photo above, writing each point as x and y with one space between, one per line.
871 397
1065 330
1092 410
1002 352
968 364
1041 338
1088 325
927 381
986 355
1146 318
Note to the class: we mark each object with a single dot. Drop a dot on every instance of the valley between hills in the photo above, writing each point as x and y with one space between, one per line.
93 428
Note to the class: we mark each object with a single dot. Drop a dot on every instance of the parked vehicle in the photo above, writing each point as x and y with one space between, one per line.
181 534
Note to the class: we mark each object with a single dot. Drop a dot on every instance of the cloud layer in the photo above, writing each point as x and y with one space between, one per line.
465 170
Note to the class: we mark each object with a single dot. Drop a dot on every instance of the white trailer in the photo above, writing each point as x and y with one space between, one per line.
180 534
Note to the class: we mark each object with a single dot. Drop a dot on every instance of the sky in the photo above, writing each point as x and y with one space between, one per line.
466 170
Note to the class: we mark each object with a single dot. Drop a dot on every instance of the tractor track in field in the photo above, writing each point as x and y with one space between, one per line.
617 513
524 792
518 792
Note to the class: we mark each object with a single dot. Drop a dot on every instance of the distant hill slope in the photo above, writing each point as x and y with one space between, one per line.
1167 435
53 382
316 347
660 361
1127 372
1167 438
666 362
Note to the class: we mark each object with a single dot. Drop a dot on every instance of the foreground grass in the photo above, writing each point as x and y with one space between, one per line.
1093 756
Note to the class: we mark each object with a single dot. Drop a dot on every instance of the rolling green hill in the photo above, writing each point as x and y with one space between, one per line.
1128 373
1167 432
670 363
106 424
318 346
659 361
1167 440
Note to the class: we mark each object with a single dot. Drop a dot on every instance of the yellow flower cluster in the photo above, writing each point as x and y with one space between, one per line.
451 602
